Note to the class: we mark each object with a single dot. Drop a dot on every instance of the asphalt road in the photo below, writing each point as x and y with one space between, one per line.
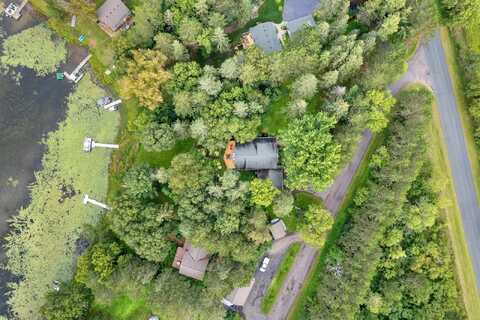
251 310
441 84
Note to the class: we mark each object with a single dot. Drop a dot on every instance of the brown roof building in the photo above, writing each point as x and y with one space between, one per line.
191 261
278 229
112 15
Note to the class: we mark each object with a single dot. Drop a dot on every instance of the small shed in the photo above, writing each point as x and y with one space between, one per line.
265 36
191 261
278 229
112 15
294 9
298 24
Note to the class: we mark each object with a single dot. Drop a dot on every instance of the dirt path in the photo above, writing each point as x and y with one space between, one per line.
293 283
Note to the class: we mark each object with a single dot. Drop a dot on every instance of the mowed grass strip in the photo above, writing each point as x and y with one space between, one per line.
279 278
451 213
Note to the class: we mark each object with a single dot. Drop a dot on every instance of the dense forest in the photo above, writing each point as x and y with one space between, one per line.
190 90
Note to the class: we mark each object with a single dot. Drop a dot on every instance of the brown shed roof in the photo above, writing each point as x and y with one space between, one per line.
113 13
194 262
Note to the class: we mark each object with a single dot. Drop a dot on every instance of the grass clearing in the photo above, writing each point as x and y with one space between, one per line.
276 117
298 311
457 83
125 308
464 269
279 278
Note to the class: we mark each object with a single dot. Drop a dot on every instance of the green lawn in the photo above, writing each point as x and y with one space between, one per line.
124 308
163 159
298 311
279 278
465 273
276 118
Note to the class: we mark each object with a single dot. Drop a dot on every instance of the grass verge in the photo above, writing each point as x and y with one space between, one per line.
451 213
279 278
298 311
457 83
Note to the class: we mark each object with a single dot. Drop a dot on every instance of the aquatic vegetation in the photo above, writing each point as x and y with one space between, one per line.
42 245
36 48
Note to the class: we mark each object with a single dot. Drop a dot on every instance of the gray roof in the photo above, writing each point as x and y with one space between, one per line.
261 153
294 9
300 23
113 13
274 175
194 262
239 296
278 229
265 37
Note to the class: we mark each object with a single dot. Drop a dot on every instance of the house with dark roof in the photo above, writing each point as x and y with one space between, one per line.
112 15
265 36
259 155
191 261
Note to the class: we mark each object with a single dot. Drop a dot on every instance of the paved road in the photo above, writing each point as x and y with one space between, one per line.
334 195
441 84
251 309
293 283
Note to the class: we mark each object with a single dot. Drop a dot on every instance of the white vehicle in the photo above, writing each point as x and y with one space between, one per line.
11 9
265 263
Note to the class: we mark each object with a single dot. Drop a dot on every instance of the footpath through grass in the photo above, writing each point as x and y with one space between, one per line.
451 213
279 278
298 311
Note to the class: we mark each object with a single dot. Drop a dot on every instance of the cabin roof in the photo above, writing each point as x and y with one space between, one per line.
265 37
300 23
294 9
113 13
259 154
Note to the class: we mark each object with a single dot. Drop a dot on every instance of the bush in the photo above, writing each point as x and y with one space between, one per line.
71 302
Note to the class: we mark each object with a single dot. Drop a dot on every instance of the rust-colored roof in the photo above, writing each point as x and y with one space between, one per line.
228 157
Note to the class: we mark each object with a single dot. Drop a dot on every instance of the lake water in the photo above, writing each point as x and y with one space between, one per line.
27 113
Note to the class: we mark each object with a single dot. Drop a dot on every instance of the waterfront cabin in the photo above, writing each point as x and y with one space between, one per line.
112 16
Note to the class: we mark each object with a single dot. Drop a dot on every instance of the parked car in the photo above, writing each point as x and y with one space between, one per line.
264 265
